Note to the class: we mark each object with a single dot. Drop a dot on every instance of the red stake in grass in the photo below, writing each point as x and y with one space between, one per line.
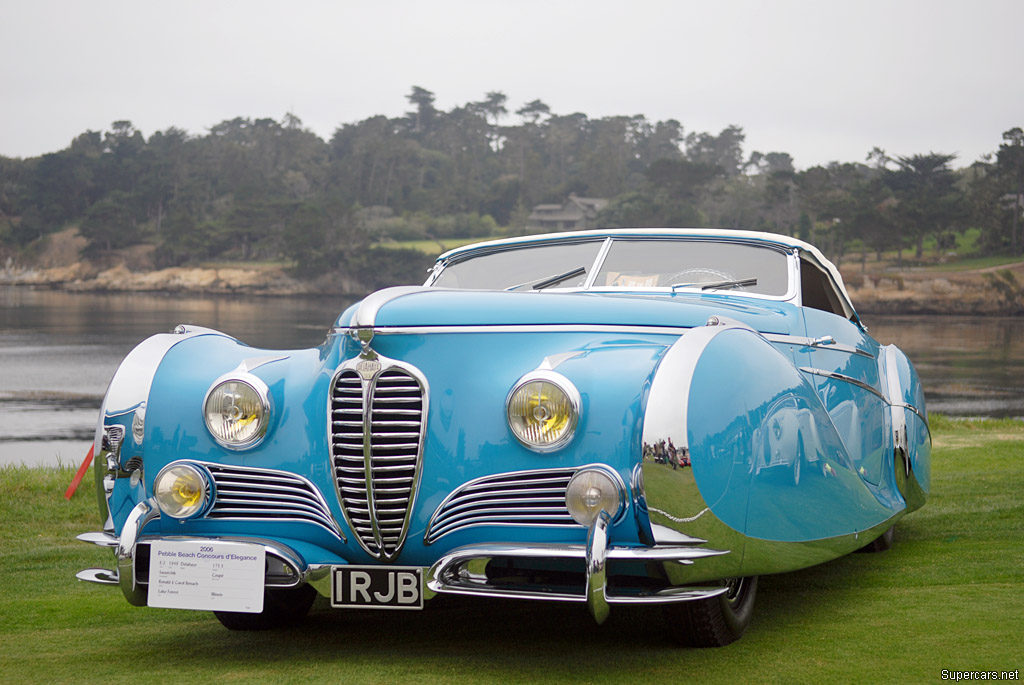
80 475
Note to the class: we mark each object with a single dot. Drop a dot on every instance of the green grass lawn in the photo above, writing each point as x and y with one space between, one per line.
948 595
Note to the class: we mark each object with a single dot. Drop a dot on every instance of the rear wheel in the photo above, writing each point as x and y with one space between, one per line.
282 608
717 621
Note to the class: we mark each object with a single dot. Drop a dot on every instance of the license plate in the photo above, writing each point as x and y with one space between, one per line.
377 587
206 575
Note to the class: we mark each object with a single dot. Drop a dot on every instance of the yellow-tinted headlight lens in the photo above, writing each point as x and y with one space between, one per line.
180 490
589 492
543 411
236 413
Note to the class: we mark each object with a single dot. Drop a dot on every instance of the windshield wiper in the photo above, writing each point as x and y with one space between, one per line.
718 285
552 280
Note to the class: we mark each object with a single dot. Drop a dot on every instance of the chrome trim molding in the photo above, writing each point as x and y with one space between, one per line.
519 328
598 262
846 379
667 407
366 315
817 343
376 432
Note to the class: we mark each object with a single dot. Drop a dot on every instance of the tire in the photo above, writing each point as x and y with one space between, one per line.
713 622
881 543
282 608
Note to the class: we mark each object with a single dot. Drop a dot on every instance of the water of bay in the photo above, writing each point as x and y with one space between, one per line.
59 350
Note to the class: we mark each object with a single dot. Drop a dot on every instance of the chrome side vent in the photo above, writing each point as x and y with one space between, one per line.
252 494
378 422
519 498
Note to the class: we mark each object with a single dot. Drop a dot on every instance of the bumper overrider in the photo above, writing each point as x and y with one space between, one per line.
458 572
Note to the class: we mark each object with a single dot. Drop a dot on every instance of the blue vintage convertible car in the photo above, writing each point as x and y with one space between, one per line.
609 417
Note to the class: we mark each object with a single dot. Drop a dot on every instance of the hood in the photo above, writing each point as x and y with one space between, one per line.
420 307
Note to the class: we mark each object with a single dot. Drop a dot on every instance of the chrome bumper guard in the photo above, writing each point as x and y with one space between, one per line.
451 574
284 565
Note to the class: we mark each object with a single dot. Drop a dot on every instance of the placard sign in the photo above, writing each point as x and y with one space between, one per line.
208 575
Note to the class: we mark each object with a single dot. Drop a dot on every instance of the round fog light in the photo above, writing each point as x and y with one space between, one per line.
590 491
181 490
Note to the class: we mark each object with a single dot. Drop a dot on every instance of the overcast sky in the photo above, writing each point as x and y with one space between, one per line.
822 80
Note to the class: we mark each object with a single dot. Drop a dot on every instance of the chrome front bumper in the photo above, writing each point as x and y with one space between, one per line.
452 573
285 567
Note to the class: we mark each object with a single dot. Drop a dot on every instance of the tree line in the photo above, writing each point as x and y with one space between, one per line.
261 189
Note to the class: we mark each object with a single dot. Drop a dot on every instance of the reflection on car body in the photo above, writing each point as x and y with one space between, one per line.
639 416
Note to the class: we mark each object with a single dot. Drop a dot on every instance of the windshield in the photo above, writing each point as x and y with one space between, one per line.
629 263
702 264
523 268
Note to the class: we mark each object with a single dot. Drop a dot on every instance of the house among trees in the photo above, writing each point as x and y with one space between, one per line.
575 214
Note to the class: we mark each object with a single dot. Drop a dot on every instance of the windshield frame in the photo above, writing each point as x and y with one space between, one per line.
593 269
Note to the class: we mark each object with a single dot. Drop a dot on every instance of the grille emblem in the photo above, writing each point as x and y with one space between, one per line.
368 368
378 413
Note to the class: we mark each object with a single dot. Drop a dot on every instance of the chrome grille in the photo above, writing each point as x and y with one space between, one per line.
376 443
522 498
250 494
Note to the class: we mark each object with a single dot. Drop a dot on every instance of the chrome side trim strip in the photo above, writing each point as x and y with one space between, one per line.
520 328
816 343
846 379
893 383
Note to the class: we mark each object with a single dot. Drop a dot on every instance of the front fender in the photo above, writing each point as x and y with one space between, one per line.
738 449
118 450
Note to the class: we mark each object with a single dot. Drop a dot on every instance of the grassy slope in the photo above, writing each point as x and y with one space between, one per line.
947 596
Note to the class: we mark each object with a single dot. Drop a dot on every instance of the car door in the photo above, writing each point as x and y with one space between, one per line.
843 364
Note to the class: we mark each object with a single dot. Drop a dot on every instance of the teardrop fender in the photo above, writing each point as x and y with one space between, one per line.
738 450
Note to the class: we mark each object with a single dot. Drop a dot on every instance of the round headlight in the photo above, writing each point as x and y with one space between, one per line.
590 491
237 412
543 409
181 490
